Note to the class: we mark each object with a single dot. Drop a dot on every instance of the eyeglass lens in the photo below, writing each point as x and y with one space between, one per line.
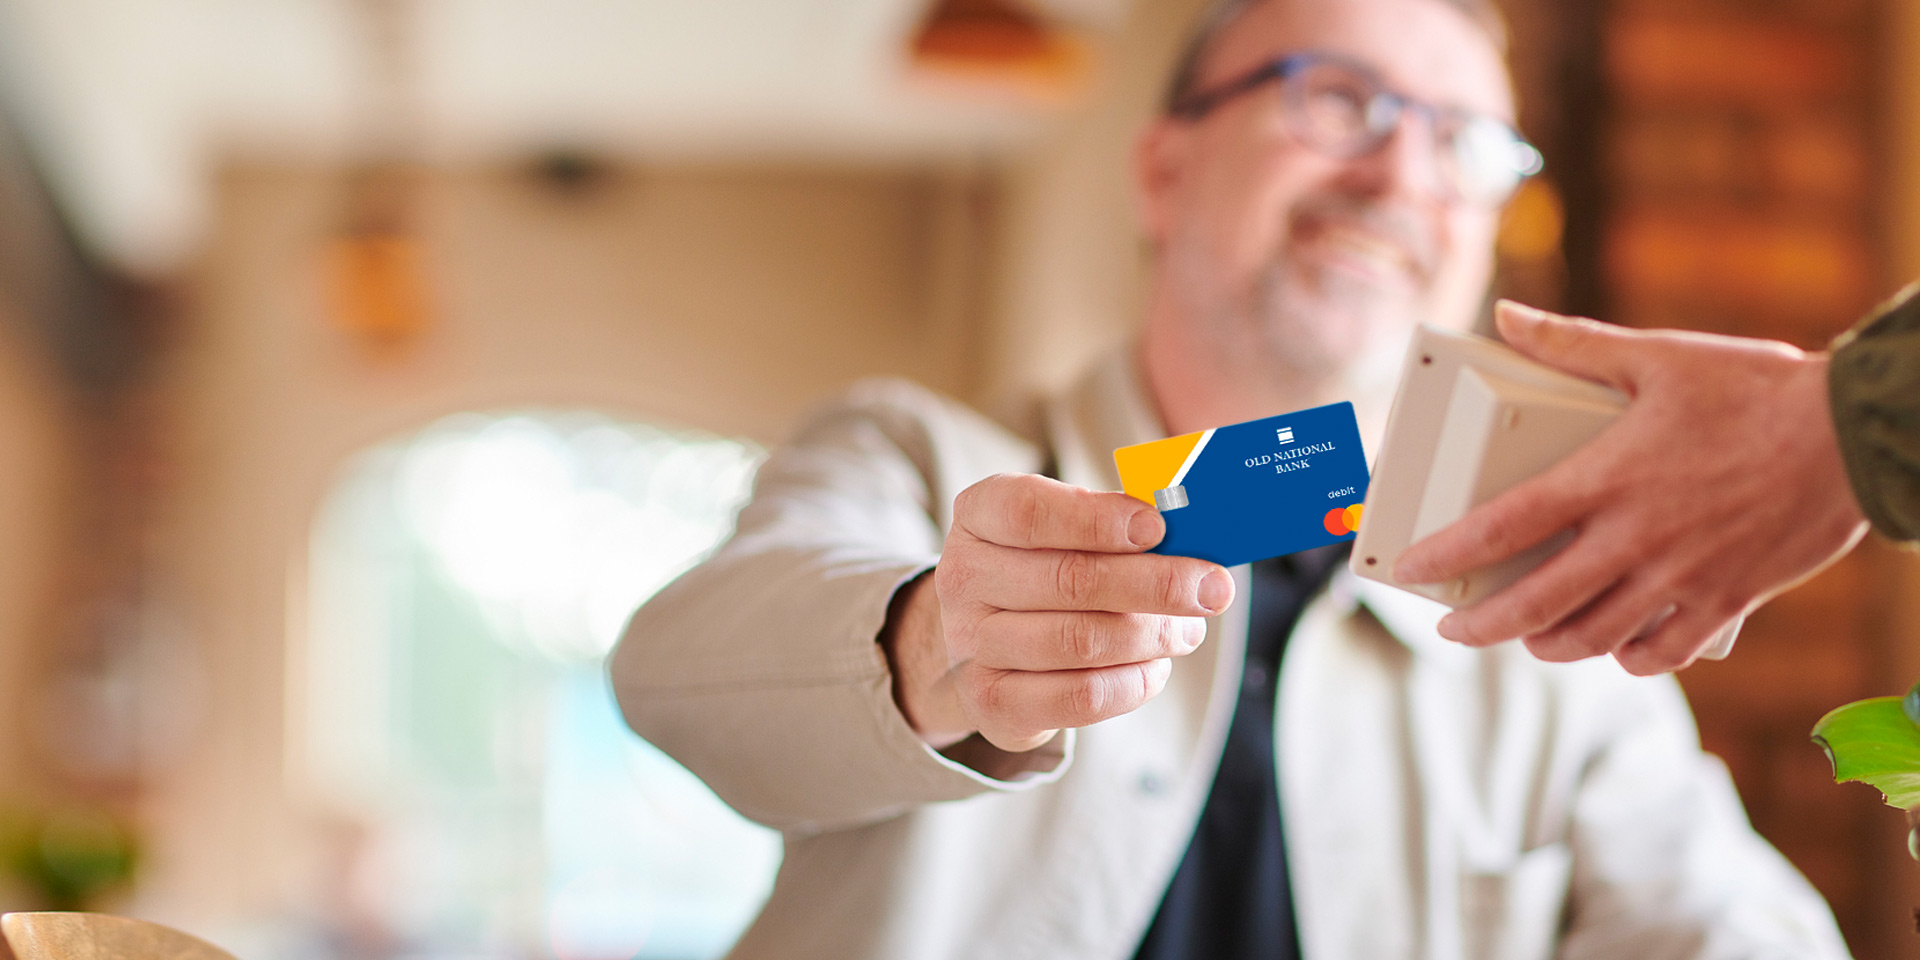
1344 113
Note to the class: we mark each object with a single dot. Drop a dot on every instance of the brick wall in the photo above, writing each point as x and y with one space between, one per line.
1737 160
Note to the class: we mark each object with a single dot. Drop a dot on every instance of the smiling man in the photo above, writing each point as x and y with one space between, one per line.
990 724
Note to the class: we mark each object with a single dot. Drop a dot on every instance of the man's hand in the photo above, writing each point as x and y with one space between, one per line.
1719 487
1045 612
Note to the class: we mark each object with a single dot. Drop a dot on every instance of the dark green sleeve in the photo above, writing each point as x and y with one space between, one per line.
1875 387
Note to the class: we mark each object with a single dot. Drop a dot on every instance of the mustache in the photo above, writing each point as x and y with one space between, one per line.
1392 222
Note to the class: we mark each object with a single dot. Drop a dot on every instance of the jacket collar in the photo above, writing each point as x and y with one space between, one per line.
1109 408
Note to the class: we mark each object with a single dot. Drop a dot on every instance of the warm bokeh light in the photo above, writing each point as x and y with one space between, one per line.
1534 224
560 532
466 583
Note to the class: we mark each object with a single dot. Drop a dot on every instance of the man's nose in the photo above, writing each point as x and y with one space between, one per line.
1406 163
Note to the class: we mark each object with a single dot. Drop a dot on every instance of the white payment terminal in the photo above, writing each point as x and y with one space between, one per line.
1472 418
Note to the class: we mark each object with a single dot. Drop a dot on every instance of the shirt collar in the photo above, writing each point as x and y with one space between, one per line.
1409 618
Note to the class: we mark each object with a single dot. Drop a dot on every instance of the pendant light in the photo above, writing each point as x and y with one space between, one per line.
996 48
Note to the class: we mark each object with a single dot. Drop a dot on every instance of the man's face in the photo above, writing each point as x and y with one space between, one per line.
1311 265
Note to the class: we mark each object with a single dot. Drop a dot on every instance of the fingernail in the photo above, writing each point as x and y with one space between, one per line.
1408 572
1196 634
1518 320
1520 312
1146 528
1449 627
1216 591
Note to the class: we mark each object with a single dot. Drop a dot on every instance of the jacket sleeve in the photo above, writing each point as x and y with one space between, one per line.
1665 863
1874 384
759 670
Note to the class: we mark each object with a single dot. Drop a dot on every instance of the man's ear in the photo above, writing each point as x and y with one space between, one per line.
1159 165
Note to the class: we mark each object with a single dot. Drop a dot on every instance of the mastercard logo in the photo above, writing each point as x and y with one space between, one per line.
1344 520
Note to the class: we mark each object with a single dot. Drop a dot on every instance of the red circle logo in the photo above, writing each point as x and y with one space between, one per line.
1341 521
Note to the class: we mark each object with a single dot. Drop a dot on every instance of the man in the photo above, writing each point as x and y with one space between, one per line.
1742 468
991 725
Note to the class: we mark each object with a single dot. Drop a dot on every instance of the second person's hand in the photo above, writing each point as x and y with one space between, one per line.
1719 487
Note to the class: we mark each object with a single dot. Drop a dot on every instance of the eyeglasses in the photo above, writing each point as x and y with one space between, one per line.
1343 109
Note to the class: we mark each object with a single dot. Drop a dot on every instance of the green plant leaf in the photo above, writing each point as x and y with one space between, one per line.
1873 742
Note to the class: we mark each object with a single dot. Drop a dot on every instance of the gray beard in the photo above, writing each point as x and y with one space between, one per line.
1346 337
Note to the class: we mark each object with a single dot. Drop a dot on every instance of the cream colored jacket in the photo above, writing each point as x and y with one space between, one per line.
1439 802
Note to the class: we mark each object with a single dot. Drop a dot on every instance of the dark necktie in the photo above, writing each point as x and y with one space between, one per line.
1230 899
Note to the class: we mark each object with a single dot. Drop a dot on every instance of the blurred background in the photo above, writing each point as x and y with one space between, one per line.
364 362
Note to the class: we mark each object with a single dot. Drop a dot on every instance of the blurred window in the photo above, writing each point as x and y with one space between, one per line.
465 586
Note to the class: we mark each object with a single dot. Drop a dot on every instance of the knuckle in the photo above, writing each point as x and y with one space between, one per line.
1169 635
1503 530
1139 684
1086 701
1076 577
990 692
1172 589
1026 512
1097 521
1588 489
1080 635
1147 635
1178 636
953 577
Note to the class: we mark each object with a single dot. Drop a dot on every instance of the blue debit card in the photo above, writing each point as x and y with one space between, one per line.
1260 489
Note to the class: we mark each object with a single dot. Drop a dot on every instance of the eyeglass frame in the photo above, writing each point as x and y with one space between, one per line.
1198 104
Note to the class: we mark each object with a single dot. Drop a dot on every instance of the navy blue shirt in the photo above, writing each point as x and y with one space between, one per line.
1230 898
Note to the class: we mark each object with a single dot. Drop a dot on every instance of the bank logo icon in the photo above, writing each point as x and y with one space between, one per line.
1286 435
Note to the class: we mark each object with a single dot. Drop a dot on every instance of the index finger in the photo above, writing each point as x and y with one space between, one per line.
1037 513
1516 520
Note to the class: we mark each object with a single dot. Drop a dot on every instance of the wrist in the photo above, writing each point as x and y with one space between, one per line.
916 651
1815 396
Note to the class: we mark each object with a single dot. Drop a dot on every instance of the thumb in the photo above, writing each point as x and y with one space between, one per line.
1587 349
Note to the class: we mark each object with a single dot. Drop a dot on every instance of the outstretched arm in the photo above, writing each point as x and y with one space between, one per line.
820 673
